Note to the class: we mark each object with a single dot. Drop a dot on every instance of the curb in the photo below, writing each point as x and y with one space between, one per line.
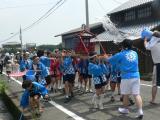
12 104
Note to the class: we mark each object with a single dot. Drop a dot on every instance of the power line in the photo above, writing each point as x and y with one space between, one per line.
52 10
49 12
56 8
22 6
43 16
101 6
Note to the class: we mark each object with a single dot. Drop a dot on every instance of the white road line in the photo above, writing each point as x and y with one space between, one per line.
73 115
13 79
147 85
68 112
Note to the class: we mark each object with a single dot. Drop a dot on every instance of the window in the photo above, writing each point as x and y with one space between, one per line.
144 12
130 16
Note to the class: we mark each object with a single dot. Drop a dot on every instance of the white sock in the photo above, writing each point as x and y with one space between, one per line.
94 98
101 98
140 111
67 96
112 94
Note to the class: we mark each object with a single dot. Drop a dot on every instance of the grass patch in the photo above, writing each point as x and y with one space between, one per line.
3 86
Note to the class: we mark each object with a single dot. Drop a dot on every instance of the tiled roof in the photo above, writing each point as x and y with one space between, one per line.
131 32
107 36
91 26
130 4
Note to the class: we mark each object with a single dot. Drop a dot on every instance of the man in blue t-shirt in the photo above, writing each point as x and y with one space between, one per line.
127 60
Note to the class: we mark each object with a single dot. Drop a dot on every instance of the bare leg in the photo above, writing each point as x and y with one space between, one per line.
66 88
139 103
154 92
125 101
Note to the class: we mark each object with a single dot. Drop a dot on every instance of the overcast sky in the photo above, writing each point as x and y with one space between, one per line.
70 15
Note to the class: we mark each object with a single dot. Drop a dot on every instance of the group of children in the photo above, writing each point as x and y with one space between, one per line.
51 70
46 71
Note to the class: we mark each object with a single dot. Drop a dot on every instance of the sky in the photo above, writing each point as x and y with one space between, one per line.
71 15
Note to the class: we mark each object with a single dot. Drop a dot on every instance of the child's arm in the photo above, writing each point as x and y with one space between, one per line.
42 89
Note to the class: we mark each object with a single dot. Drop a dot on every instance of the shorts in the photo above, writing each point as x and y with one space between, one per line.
118 79
8 72
35 94
69 77
130 86
89 76
48 79
54 75
108 76
104 83
113 82
156 75
83 75
101 83
98 86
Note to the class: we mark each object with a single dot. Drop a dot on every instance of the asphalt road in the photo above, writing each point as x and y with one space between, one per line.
80 108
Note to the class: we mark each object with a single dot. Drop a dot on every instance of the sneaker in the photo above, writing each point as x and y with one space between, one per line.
86 91
67 100
63 90
152 103
101 107
139 117
95 106
51 89
60 87
55 91
112 99
72 95
90 91
123 110
121 99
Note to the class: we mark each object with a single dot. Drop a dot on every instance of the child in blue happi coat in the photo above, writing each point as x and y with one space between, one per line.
83 73
31 95
97 71
68 76
25 63
105 71
40 70
113 80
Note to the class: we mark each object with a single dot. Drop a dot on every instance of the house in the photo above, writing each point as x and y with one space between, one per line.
130 19
11 45
71 39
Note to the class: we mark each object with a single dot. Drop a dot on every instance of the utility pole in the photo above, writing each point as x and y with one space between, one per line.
87 14
20 37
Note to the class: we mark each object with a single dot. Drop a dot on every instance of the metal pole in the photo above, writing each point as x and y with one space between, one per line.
87 14
20 37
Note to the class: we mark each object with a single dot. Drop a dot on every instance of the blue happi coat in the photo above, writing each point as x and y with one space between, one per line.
68 66
25 64
41 73
45 61
127 61
37 89
97 71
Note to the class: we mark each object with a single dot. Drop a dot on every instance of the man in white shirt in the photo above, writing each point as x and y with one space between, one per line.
154 46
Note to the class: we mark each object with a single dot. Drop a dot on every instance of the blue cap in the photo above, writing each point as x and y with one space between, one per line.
146 33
